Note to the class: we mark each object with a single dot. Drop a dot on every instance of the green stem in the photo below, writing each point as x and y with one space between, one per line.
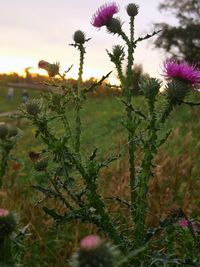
66 123
168 109
130 121
80 72
3 166
120 73
144 176
105 220
5 252
62 198
141 205
132 149
6 146
78 201
132 29
78 100
96 202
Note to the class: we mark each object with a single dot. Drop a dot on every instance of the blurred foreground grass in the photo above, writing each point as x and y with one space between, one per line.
175 182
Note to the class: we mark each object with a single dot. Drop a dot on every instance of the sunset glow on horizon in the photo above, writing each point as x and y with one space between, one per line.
46 32
10 64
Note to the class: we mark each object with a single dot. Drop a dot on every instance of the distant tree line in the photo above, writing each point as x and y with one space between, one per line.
103 89
181 41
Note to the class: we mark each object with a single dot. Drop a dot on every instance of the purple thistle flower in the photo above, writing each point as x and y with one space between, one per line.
4 213
90 242
184 223
104 14
182 71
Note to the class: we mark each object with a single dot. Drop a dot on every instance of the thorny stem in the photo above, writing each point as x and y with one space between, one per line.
131 29
168 109
144 175
6 254
3 166
130 121
78 100
73 197
58 191
6 147
120 73
106 222
66 124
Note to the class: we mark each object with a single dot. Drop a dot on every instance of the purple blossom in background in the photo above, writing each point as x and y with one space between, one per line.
182 71
184 223
4 213
90 242
104 14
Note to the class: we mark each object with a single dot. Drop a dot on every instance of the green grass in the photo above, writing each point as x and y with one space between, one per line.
102 127
12 105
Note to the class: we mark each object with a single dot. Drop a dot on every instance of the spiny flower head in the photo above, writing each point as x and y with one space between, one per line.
90 242
7 224
43 64
176 213
182 71
150 87
33 107
3 130
12 131
4 213
94 252
132 10
184 223
104 14
52 69
79 37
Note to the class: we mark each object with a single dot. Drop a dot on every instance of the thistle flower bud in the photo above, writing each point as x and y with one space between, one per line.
150 87
34 156
79 37
3 130
12 131
114 26
176 213
118 51
132 10
43 64
93 252
41 164
7 223
176 91
33 107
53 69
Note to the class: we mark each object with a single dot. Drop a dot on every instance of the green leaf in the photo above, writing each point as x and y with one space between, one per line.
52 213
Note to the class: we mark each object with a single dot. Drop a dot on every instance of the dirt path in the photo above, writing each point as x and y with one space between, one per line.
9 113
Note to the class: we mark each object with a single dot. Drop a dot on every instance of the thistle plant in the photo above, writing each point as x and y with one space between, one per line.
141 126
12 236
73 176
8 137
7 226
94 252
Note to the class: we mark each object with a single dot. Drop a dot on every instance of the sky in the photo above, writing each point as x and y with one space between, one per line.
33 30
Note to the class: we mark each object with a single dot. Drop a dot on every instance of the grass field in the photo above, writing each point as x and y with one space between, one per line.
12 105
176 178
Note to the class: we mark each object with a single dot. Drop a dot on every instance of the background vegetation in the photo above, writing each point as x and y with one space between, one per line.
175 180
